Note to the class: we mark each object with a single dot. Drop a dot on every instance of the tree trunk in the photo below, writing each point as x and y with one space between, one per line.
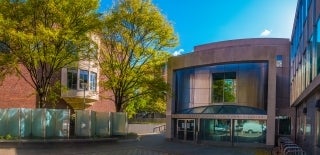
42 100
118 104
118 108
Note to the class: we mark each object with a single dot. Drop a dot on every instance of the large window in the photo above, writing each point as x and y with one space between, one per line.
242 83
244 131
72 78
84 75
218 130
250 131
93 81
224 87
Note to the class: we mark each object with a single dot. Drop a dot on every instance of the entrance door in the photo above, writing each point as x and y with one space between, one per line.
186 129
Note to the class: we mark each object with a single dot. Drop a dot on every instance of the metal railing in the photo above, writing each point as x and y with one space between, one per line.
161 128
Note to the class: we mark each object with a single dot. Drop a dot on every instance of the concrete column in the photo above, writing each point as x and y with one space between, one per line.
271 111
170 104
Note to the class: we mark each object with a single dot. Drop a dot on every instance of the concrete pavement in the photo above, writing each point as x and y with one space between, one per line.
154 144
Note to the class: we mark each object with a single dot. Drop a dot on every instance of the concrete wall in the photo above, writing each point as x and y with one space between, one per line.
144 128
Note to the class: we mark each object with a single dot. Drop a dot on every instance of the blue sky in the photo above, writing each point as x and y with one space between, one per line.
204 21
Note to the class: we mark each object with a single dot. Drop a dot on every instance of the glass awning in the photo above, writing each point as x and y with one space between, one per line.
224 109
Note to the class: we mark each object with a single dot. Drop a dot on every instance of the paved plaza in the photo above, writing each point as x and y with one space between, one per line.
154 144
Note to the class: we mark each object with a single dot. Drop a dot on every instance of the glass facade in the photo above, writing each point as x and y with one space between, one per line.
240 84
305 56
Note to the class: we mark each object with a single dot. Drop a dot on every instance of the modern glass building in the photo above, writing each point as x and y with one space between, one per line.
304 78
232 93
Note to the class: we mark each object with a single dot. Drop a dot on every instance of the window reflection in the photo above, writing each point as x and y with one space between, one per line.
224 87
84 75
215 130
241 83
250 131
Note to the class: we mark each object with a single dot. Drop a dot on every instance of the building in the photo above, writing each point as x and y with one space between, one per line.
305 79
81 81
232 92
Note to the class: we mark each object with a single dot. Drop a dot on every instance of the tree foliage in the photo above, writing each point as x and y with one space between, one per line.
135 36
44 36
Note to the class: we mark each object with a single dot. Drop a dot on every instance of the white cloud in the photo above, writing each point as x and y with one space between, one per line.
265 33
178 52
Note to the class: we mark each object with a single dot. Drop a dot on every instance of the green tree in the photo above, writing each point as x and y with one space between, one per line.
44 36
135 36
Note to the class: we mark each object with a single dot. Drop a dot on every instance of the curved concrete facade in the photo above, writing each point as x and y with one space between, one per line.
259 50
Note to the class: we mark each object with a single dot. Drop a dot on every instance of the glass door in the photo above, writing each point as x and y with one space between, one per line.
186 129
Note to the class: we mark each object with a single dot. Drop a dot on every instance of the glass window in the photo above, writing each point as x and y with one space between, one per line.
250 131
279 60
242 83
224 87
72 78
93 81
215 130
84 75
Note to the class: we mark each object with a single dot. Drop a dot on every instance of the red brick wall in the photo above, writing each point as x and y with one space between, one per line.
103 105
15 92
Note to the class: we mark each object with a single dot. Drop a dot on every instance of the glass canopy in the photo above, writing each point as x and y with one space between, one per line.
224 109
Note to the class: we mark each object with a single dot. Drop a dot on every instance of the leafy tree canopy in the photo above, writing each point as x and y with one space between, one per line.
135 36
44 36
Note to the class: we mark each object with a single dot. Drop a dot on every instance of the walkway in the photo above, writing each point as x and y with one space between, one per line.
146 145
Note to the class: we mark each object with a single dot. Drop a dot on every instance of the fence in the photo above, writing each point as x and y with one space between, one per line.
101 124
20 123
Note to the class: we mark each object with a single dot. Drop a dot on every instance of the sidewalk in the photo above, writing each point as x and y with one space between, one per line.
154 144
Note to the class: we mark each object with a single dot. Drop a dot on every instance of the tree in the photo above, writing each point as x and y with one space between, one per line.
45 36
135 36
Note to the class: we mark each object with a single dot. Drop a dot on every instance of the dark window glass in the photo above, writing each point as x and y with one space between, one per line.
72 78
284 125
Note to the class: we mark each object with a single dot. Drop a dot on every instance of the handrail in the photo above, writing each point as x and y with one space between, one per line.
158 128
